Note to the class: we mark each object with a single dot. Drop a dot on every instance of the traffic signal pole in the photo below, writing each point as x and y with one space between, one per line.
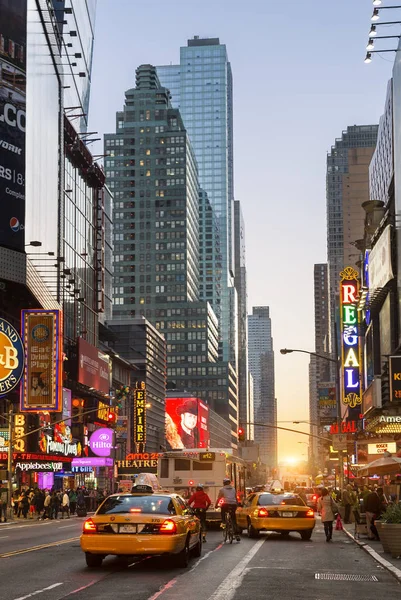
319 437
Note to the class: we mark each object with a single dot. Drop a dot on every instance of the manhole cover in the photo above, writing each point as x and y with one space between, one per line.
345 577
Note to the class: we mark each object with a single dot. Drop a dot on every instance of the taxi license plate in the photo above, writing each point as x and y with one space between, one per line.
287 514
131 528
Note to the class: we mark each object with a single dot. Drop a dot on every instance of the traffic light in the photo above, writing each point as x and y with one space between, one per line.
241 434
111 418
77 410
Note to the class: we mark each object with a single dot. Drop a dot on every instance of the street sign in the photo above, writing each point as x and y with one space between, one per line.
339 441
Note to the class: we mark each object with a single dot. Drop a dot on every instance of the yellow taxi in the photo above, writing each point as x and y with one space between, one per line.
278 512
142 522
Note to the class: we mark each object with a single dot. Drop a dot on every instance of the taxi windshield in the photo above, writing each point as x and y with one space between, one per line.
148 504
272 499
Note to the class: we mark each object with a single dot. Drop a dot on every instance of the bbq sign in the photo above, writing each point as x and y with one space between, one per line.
350 339
11 358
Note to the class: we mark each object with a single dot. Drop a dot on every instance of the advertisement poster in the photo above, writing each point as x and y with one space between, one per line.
93 367
327 404
12 122
187 423
42 336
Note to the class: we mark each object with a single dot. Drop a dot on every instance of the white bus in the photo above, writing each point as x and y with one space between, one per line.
182 470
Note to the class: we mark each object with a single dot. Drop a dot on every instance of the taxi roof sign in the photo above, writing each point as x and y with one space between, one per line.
142 489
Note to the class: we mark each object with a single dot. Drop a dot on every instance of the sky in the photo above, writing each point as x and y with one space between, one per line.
299 81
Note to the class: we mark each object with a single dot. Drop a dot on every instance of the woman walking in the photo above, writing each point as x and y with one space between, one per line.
327 508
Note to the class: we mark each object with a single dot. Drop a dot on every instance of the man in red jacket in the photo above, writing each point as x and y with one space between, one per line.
201 502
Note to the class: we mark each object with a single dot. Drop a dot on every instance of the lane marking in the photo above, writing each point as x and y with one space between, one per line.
206 556
232 582
51 587
81 588
66 527
41 547
166 587
4 537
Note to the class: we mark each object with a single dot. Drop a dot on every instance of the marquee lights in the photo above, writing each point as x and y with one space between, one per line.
350 340
140 416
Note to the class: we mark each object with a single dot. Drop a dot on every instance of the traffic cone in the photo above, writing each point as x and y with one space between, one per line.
339 523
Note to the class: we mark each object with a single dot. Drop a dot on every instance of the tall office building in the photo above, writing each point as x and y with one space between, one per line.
347 187
202 88
161 222
245 410
319 369
261 367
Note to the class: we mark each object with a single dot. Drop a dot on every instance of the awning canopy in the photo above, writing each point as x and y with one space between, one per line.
387 465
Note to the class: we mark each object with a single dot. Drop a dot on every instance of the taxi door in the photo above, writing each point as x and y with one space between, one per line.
192 523
243 511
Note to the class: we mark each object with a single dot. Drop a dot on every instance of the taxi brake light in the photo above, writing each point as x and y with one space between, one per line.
89 526
310 513
135 510
263 512
314 497
168 526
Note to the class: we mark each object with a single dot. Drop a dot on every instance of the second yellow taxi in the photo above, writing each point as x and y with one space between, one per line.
142 522
278 512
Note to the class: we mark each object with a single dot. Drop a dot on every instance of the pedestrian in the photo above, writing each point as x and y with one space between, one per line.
348 501
47 506
73 501
201 503
54 505
374 506
23 505
3 503
327 508
65 505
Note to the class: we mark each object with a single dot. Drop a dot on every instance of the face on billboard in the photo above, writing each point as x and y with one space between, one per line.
187 423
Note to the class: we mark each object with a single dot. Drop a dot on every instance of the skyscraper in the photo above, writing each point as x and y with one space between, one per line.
202 88
319 371
161 236
347 187
261 367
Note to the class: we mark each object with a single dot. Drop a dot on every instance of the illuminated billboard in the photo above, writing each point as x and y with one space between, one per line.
351 360
187 423
140 416
42 336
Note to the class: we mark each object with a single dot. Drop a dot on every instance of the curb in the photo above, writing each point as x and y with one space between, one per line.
382 561
36 521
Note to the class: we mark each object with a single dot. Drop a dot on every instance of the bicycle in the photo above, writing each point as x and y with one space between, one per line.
228 531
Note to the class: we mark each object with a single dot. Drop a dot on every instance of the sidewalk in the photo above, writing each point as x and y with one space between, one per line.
375 549
36 521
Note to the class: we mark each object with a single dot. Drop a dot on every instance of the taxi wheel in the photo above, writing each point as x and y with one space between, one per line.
182 559
284 533
306 535
197 551
93 560
252 532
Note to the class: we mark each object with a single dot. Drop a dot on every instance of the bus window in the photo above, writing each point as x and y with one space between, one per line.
182 464
202 466
164 467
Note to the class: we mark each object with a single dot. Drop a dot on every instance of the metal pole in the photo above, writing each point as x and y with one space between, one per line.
10 458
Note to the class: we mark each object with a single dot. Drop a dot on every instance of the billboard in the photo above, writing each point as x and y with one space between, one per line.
12 122
12 358
93 367
187 423
327 403
42 336
395 378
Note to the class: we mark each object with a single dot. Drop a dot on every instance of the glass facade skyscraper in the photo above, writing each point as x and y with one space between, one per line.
202 88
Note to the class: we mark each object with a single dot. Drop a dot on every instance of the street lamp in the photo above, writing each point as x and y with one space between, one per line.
337 374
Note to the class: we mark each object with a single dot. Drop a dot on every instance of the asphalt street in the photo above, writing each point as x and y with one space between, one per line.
45 561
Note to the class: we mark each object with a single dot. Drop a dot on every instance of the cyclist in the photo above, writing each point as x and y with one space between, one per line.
228 497
201 502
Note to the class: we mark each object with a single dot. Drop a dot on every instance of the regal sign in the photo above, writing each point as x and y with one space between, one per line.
350 341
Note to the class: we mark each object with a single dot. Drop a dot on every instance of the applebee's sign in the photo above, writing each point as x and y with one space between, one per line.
101 442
